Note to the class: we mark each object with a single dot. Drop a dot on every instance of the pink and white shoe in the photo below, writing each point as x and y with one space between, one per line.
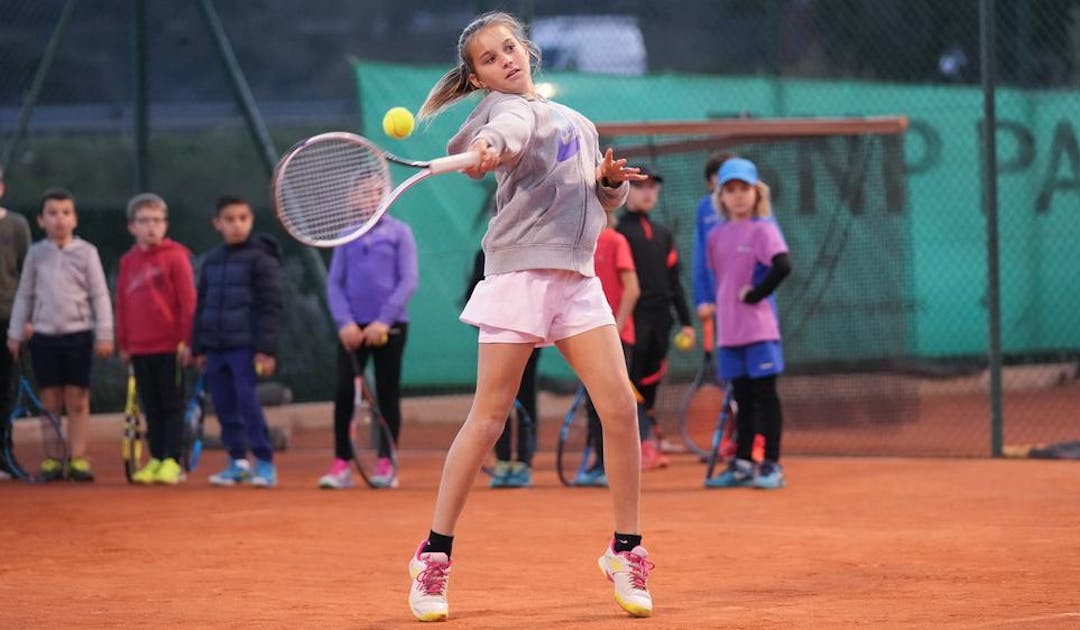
338 477
385 476
430 573
629 571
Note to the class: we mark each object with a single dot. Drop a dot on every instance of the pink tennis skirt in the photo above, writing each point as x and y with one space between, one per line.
537 306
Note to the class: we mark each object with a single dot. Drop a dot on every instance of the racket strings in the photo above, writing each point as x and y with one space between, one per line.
331 188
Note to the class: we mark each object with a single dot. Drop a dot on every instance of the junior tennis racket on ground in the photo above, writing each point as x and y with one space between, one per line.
31 435
334 187
370 435
574 453
723 433
703 402
133 450
194 417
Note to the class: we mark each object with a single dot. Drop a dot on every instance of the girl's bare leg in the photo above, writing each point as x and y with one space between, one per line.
597 358
499 368
77 403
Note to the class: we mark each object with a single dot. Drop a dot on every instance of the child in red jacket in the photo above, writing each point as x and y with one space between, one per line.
155 304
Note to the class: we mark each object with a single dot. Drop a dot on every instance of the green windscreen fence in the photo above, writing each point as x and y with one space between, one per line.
928 245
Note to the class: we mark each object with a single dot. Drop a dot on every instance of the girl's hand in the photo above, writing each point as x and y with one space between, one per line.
13 348
103 349
743 291
616 171
351 336
489 159
376 334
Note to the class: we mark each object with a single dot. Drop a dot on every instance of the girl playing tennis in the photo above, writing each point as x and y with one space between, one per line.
554 187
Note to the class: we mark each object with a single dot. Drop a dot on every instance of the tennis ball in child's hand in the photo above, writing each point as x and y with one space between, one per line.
384 339
683 342
398 123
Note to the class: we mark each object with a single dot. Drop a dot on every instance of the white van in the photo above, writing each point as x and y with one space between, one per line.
601 44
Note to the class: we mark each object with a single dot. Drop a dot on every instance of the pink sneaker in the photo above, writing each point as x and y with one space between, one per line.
629 571
339 476
385 476
430 573
651 457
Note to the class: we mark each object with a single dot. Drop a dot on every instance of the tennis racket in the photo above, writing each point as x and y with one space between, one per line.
723 434
519 420
132 449
704 400
574 452
33 436
334 187
194 417
374 451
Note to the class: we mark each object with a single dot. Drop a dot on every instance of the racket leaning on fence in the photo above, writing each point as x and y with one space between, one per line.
704 400
370 435
133 450
32 435
334 187
194 419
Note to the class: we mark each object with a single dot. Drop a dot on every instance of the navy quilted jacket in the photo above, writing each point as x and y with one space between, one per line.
239 301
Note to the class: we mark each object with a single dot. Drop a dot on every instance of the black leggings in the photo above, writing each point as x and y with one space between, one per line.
387 387
161 396
759 412
526 437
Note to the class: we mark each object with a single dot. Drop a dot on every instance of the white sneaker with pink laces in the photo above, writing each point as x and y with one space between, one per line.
384 476
430 573
338 477
629 571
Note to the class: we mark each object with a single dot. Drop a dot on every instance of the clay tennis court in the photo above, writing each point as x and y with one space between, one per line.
878 542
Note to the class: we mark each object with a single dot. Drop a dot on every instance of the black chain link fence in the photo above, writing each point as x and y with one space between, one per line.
926 390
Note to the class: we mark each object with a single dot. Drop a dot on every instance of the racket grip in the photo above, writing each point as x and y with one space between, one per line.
454 162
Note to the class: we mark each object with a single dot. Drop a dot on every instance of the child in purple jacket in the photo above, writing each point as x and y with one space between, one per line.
369 285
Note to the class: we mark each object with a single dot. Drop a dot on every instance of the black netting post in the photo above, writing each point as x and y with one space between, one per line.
990 210
140 102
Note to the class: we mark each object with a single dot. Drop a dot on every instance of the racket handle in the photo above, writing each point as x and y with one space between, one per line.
708 334
454 162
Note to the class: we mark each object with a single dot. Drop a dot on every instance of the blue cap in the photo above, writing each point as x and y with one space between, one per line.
740 169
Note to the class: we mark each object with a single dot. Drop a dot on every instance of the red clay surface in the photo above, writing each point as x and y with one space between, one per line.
851 542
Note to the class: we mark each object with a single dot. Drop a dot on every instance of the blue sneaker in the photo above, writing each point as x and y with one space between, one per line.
500 474
770 476
592 478
738 474
520 476
238 472
265 474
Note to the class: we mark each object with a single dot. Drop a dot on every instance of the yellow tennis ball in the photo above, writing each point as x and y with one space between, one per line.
385 339
683 342
398 123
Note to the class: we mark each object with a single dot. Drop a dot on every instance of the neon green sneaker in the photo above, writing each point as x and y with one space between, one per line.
170 472
52 469
79 469
148 473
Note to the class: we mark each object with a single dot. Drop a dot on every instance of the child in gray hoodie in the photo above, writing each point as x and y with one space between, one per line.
540 288
63 296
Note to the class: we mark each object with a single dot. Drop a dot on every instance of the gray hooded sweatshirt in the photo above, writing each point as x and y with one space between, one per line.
549 207
61 291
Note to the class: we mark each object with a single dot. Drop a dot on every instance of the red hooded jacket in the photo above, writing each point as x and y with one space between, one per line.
155 299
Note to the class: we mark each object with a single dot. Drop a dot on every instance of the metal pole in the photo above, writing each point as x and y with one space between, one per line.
255 123
244 99
140 102
990 210
39 81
